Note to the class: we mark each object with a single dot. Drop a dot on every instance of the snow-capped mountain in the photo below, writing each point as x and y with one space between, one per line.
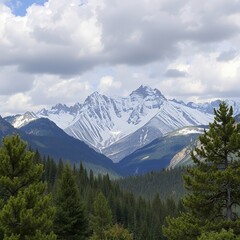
170 116
117 126
105 120
61 114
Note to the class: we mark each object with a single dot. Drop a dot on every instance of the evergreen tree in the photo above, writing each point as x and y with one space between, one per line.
25 209
71 221
60 167
223 235
213 184
102 218
117 232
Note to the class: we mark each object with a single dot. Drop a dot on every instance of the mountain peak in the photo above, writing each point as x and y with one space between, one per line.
95 94
144 91
63 108
93 98
59 107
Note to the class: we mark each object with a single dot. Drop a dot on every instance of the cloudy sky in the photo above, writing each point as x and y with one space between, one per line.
62 50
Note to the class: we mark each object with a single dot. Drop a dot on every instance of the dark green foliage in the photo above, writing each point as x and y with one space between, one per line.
70 221
168 183
223 235
137 216
25 209
213 184
132 213
101 219
117 232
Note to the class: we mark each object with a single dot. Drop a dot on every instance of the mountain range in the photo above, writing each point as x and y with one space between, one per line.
124 128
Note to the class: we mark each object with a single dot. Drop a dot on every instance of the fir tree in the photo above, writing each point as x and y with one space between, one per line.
223 235
71 221
25 209
213 184
102 218
117 232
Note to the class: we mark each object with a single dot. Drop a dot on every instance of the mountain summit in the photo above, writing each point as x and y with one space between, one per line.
146 91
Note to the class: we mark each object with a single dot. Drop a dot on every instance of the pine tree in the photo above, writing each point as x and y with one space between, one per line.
25 209
117 232
71 221
102 218
213 184
223 235
60 167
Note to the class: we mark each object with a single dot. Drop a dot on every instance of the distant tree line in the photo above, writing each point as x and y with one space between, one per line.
167 183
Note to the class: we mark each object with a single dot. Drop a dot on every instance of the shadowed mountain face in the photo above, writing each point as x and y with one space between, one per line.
159 153
237 118
44 135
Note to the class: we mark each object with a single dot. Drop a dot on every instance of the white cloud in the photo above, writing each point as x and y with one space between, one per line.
64 50
107 84
17 103
207 78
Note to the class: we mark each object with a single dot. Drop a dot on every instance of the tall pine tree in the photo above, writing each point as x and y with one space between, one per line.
214 195
25 209
102 218
70 221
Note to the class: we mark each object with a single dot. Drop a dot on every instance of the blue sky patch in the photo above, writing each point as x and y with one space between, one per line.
19 7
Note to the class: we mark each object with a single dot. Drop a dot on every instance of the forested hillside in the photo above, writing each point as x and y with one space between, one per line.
167 183
142 217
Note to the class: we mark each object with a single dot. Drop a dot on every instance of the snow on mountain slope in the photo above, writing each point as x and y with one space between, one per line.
104 120
117 126
19 121
61 114
170 116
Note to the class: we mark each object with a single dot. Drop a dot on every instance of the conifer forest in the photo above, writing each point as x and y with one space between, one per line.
44 198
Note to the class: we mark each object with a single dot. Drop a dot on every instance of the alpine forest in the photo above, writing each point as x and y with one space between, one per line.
44 198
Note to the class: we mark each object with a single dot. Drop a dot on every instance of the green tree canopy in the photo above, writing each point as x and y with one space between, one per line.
223 235
25 210
117 232
102 218
213 183
70 221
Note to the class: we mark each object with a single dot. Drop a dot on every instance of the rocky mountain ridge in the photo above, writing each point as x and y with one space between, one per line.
117 126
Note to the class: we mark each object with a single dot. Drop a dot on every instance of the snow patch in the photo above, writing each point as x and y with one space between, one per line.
145 158
186 131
